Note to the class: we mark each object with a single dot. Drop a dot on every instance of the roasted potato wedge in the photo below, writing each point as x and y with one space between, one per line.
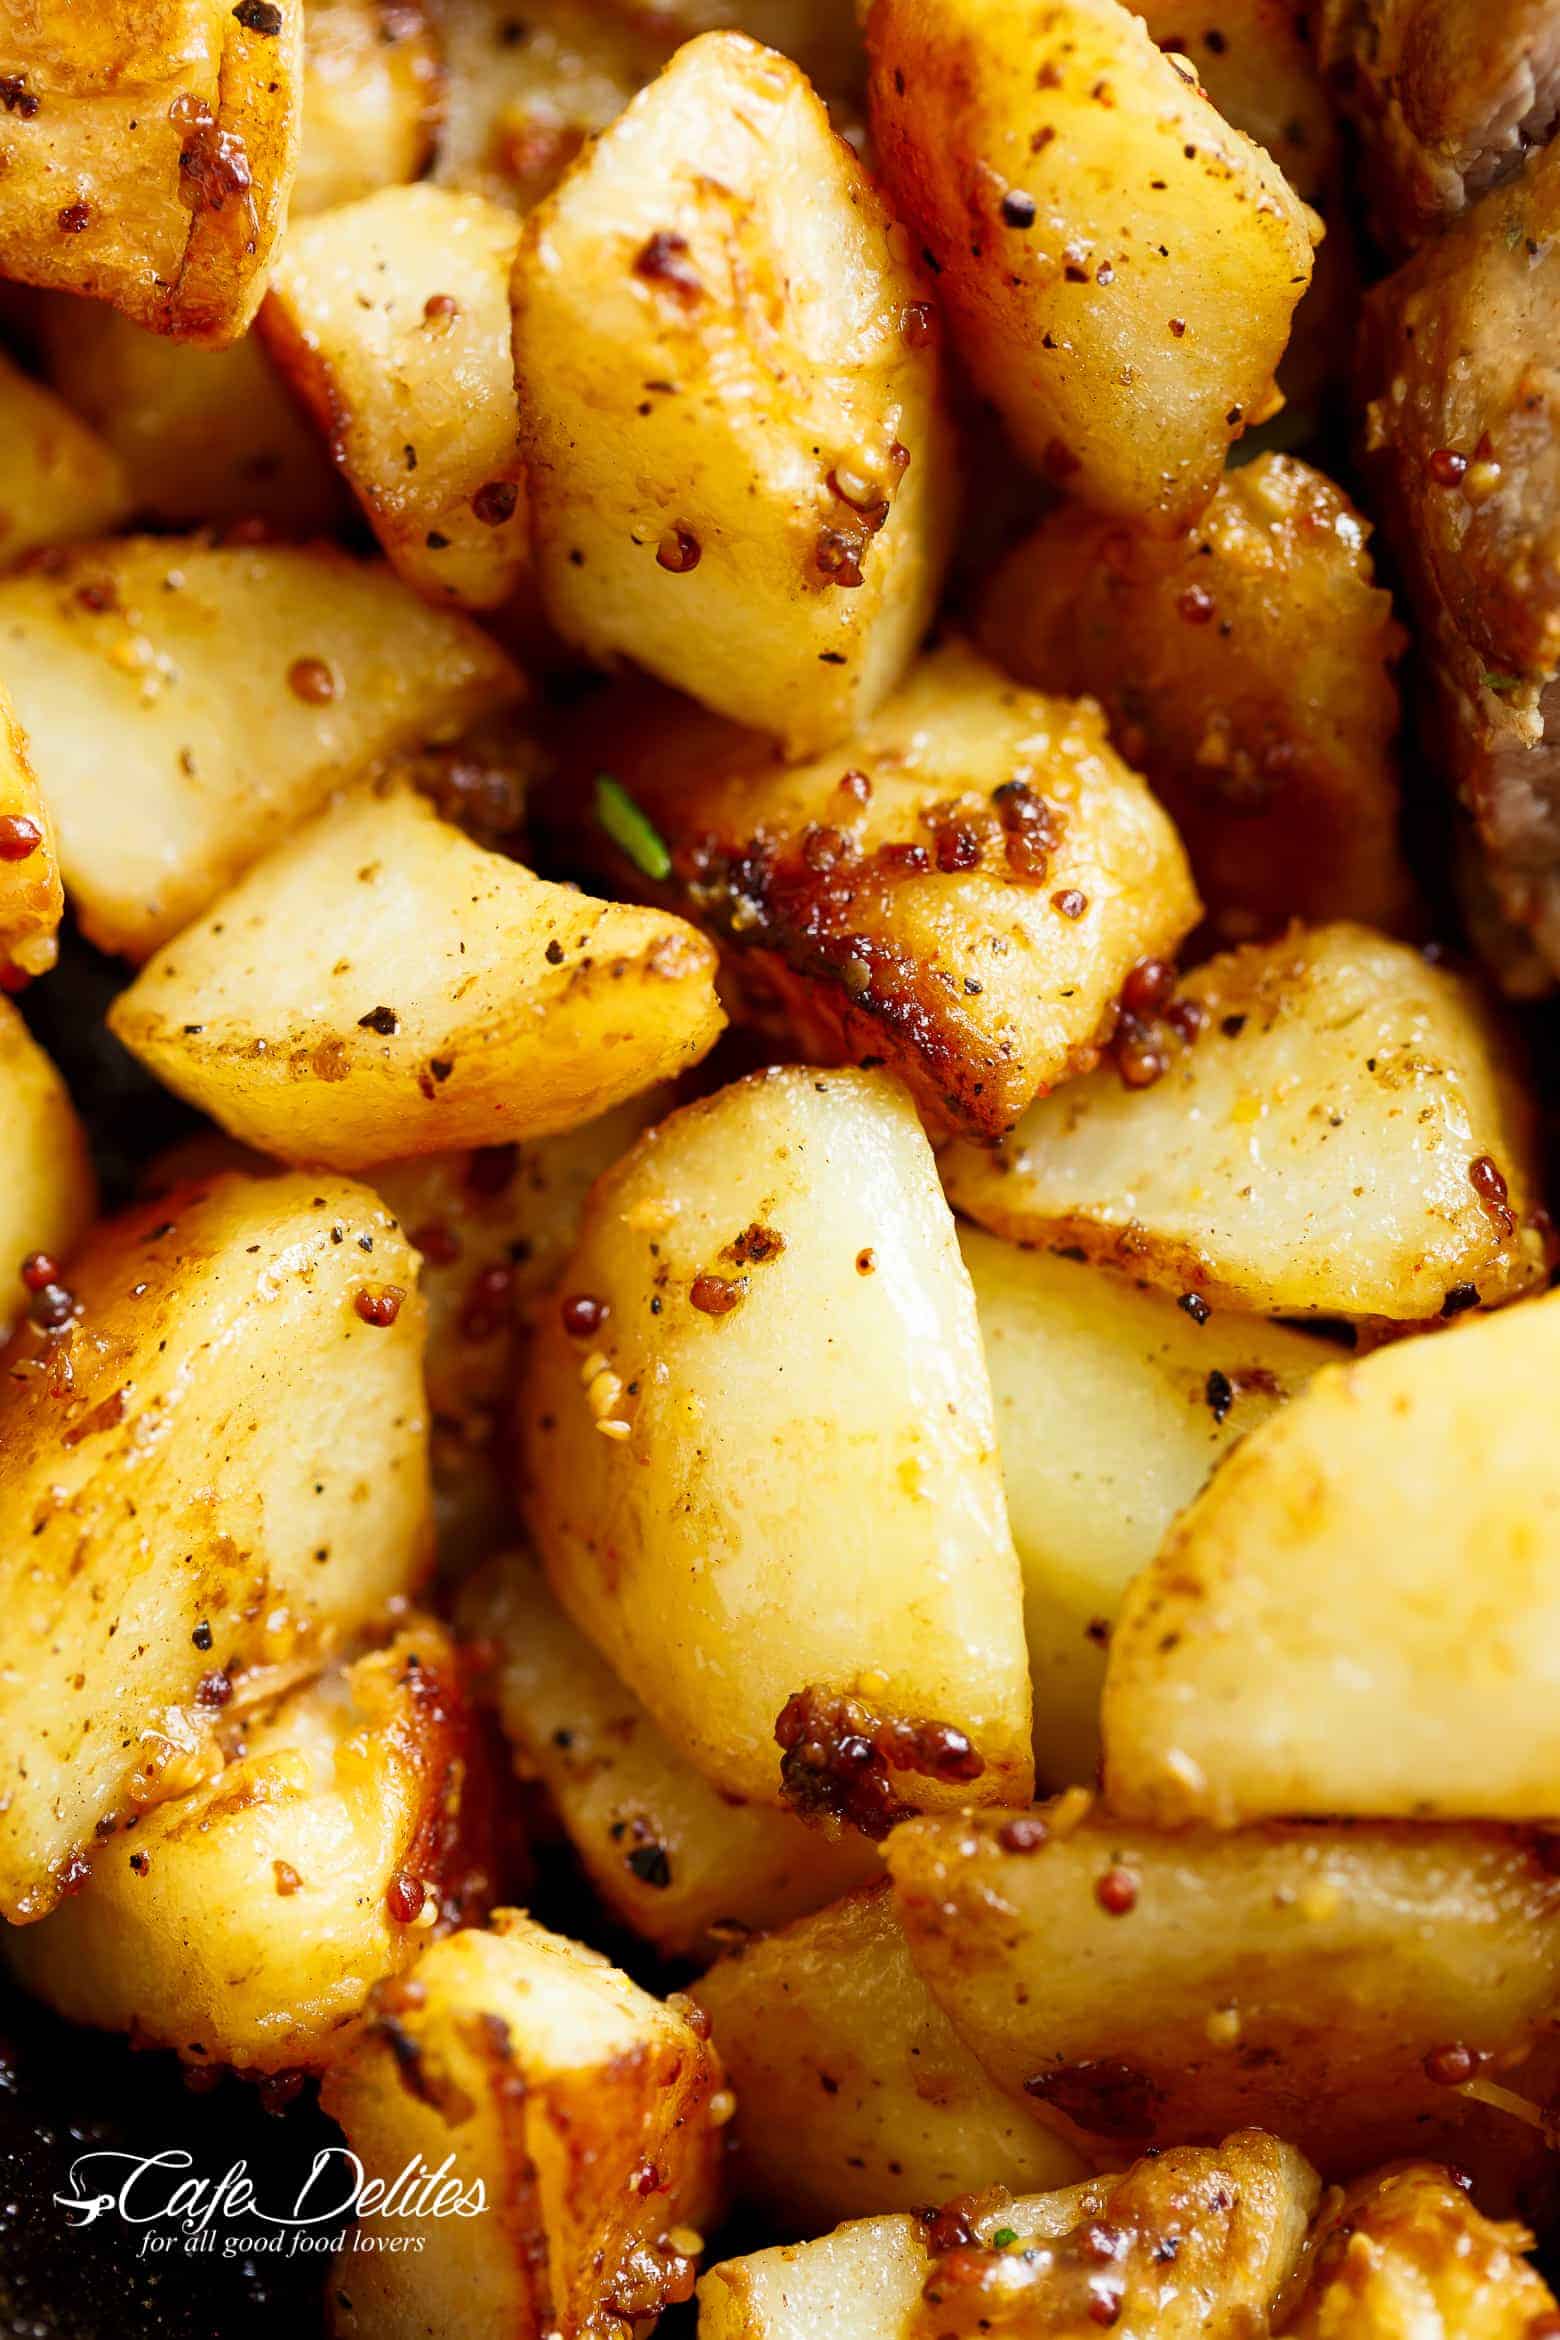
753 1488
239 686
47 1190
1113 1406
166 1522
58 479
1202 2243
382 985
149 149
556 2084
741 475
1138 1988
1258 1667
32 900
1246 671
853 2088
206 436
671 1857
1405 2252
494 1226
371 88
960 889
1119 264
246 1922
390 318
522 95
1343 1137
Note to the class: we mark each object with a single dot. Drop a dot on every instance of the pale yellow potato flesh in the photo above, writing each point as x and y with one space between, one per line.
801 1490
555 2083
245 1923
150 151
371 92
58 479
1119 265
205 436
523 93
380 985
1312 1152
1404 2255
47 1190
854 2091
673 1858
32 899
156 1475
1362 1613
239 686
1203 2243
390 318
493 1226
741 472
1139 1988
964 906
1113 1407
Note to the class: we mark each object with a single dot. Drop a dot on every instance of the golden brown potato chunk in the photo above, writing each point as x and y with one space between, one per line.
560 2089
741 474
854 2092
58 480
1259 1668
1335 1983
959 889
494 1226
523 94
371 87
1343 1135
1406 2256
32 900
246 1922
381 985
677 1860
149 148
175 1534
1448 97
1246 671
1198 2243
1119 264
1113 1406
774 1508
239 685
390 318
207 436
47 1190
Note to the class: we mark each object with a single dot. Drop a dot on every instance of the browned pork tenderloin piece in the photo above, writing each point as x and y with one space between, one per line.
1448 95
1461 368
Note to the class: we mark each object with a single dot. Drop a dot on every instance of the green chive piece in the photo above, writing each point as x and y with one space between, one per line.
1505 686
1004 2237
629 829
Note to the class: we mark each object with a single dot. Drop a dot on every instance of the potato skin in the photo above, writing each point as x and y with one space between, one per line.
1346 1136
741 470
48 1193
1257 1669
554 2082
792 1497
154 169
1404 2251
959 889
1123 356
1293 1977
830 2036
381 983
246 1922
154 1477
1246 671
418 405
